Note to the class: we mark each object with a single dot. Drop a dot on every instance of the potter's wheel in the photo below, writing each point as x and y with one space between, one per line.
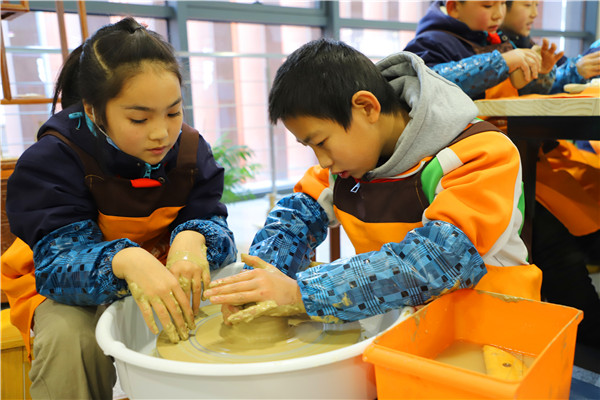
270 339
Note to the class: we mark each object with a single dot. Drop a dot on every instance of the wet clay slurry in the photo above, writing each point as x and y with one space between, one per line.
260 340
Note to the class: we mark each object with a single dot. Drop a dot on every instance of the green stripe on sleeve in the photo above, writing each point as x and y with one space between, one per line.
430 177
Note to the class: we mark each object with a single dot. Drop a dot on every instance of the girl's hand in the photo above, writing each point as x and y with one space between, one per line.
549 55
153 287
187 262
265 282
588 66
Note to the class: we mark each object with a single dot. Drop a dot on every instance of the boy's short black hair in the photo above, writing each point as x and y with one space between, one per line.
319 80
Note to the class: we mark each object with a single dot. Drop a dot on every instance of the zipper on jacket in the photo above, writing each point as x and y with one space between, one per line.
355 188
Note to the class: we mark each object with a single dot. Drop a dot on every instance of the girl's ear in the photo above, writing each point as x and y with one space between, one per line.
367 102
89 110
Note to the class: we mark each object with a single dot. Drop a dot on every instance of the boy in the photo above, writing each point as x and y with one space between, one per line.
429 197
516 27
459 40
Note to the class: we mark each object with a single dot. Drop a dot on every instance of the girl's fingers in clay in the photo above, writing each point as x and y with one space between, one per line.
170 315
147 314
186 285
205 278
197 295
180 305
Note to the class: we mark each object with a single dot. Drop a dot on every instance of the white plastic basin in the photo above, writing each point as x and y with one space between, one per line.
339 374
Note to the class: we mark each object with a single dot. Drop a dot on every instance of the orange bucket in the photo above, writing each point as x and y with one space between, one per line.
404 356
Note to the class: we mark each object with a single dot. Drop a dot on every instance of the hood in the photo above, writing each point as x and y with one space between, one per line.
439 111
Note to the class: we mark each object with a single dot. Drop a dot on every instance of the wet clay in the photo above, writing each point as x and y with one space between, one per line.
470 356
265 338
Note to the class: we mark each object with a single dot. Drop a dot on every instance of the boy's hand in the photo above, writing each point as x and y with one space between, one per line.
265 282
525 59
549 55
266 308
588 66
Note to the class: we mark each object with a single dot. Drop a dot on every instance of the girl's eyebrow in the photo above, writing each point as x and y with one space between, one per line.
143 108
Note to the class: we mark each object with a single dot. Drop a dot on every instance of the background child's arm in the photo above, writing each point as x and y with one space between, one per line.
588 66
475 74
569 72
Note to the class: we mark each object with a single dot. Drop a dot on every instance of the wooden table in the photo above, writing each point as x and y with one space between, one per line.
530 120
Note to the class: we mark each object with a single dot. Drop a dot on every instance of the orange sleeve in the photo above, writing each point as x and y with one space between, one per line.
480 196
314 181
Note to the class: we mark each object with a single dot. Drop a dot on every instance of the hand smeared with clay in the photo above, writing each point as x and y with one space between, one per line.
192 271
154 287
265 290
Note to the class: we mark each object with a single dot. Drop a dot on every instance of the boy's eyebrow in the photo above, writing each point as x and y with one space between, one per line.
307 140
142 108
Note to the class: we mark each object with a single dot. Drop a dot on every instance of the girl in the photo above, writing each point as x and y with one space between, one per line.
116 186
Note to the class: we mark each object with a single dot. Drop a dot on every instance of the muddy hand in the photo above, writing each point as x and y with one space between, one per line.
174 321
266 308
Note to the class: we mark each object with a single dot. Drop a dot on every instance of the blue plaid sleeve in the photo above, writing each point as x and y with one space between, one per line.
73 265
429 262
475 74
567 73
220 244
293 229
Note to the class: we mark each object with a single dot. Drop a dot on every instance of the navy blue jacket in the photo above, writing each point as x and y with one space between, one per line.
51 209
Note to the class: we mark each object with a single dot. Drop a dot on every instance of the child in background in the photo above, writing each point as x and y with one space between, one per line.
115 186
560 259
428 195
459 40
516 27
566 226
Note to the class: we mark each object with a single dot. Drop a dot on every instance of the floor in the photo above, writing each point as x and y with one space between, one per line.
245 218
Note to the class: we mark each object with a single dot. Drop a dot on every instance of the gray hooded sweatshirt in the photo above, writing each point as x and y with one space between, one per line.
440 111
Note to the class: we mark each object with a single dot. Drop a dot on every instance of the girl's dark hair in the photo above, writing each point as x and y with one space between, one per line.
319 80
96 71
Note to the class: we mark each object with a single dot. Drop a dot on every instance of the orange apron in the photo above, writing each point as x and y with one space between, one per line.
141 214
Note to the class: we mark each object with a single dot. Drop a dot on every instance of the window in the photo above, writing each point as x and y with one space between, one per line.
231 51
231 67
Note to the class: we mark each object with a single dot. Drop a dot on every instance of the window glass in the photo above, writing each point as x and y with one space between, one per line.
34 59
231 67
384 10
140 2
282 3
374 43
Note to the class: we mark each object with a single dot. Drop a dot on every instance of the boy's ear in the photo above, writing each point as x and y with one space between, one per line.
368 103
452 8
